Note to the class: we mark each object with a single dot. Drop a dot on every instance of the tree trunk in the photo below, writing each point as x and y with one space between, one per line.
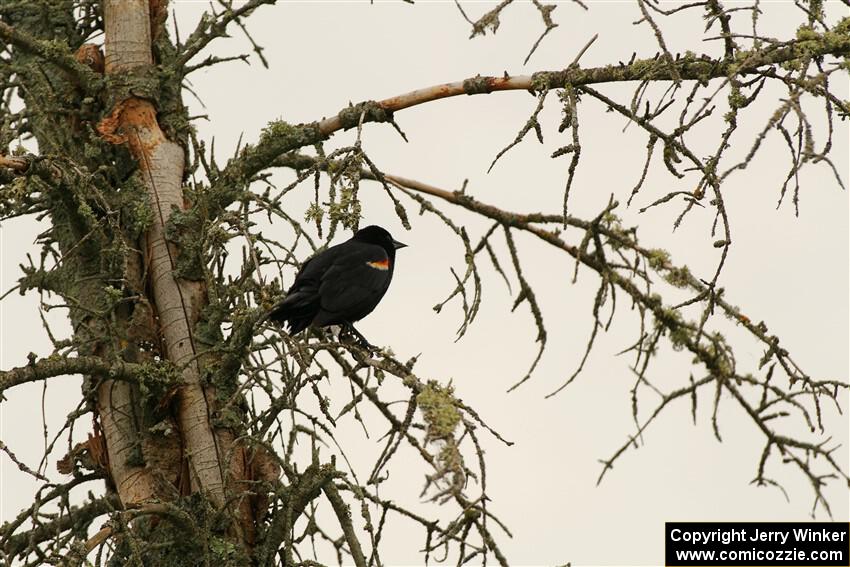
210 456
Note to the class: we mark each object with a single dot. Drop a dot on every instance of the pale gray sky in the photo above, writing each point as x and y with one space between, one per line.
790 272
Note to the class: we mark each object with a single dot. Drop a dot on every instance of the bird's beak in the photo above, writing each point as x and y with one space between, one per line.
397 244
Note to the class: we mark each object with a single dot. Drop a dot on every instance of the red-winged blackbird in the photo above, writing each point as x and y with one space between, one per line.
340 285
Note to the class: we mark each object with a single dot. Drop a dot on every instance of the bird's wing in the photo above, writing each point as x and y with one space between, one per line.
356 280
312 270
302 297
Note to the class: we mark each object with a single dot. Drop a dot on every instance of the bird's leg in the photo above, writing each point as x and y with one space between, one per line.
349 328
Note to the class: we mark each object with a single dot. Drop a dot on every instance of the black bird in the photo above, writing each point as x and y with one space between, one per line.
340 285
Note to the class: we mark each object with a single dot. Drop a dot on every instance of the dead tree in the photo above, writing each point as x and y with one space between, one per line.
198 409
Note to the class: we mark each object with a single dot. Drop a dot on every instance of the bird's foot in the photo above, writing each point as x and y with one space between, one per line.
349 331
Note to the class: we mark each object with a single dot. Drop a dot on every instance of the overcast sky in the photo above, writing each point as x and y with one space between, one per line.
790 272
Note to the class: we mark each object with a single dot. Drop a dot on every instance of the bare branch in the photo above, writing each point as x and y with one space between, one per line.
57 366
279 138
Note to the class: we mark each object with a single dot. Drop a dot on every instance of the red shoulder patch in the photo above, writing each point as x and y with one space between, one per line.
380 264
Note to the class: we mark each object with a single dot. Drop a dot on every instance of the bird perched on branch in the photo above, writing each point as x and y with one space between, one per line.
340 285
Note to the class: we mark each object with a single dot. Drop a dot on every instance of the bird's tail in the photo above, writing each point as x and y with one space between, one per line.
296 311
